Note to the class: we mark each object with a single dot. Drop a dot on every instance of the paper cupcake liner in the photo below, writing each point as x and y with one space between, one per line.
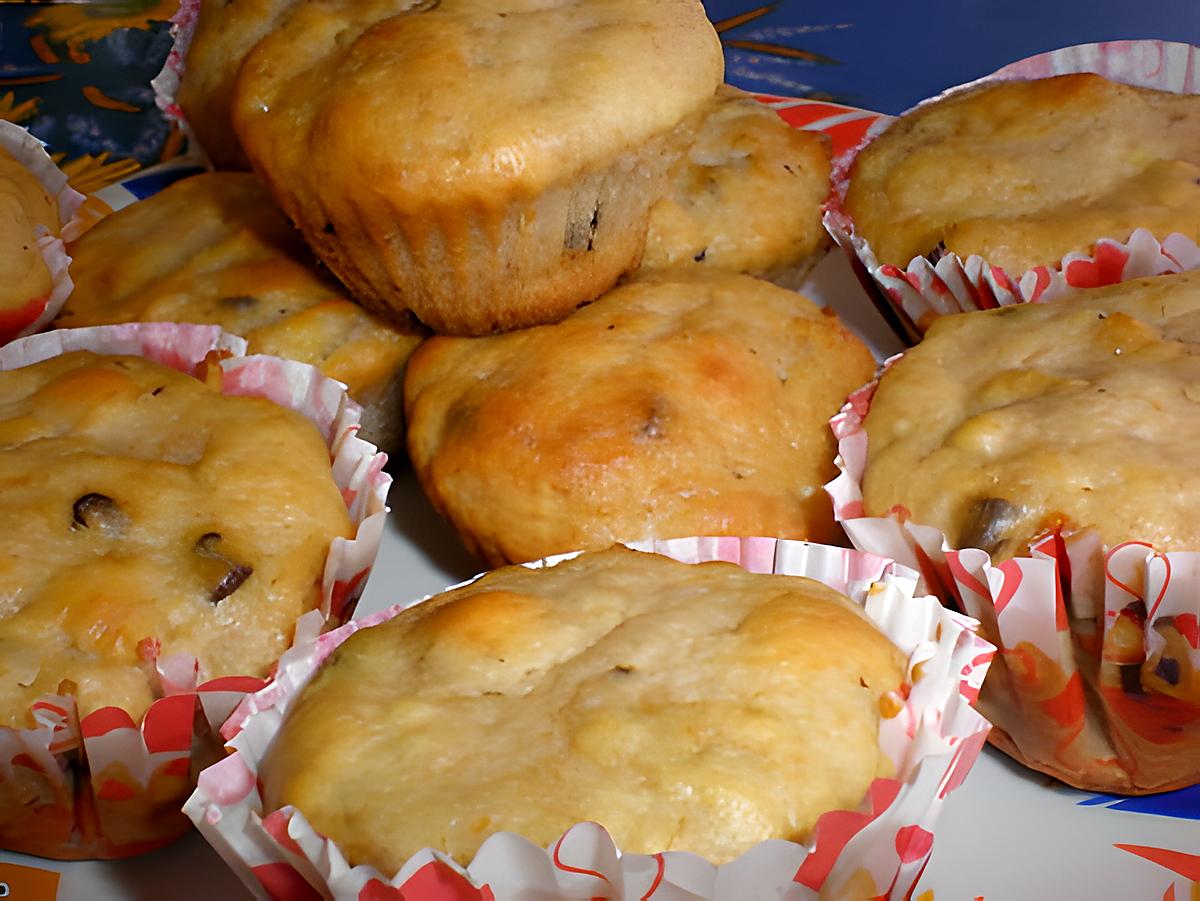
37 312
105 785
878 850
1098 677
925 290
166 83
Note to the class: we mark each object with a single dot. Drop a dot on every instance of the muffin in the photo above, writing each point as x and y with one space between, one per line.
1022 173
746 197
223 34
142 503
213 249
684 403
1064 432
531 700
485 165
160 535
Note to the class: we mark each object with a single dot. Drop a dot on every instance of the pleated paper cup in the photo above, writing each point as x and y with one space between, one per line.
32 314
927 289
878 850
106 785
1097 680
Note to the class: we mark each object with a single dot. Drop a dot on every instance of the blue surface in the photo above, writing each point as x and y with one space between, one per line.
887 55
1183 804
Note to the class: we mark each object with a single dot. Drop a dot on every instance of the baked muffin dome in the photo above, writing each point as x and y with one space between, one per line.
142 505
1024 172
531 700
223 35
685 403
1005 424
746 197
485 165
214 250
25 204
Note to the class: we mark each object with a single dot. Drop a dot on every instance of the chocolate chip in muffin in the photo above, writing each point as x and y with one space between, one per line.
238 302
208 545
1168 670
988 523
100 512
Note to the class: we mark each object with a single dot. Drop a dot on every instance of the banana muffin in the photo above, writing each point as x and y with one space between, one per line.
145 511
746 197
213 250
1070 424
487 165
693 707
1023 172
683 403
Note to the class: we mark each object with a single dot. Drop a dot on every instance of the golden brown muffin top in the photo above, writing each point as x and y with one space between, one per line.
684 403
214 250
24 205
468 97
1081 413
140 504
683 707
1024 172
746 197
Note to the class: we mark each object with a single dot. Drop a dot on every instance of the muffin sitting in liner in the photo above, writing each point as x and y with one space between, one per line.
746 197
695 707
1066 430
213 249
487 165
147 518
683 403
1022 173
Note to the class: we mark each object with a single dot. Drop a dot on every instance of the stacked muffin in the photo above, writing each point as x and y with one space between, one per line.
563 196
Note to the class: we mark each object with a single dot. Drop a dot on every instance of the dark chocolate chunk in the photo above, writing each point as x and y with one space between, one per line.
98 511
238 302
208 545
989 520
937 253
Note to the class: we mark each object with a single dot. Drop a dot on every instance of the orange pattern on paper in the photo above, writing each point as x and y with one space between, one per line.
28 883
98 98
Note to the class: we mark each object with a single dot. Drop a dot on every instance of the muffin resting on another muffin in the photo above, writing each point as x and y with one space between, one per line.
25 204
225 32
683 707
144 512
1024 172
213 249
487 165
680 404
746 197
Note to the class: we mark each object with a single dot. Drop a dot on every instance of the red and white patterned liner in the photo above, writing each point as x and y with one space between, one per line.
161 744
166 82
37 312
1029 602
925 291
879 850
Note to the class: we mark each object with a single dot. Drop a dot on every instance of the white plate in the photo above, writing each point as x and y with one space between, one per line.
1006 835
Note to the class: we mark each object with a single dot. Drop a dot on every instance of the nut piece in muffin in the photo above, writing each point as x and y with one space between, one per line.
25 204
487 165
684 403
1024 172
746 197
1076 418
683 707
145 510
213 250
